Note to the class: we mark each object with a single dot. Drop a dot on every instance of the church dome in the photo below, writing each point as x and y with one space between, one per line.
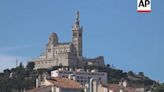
53 39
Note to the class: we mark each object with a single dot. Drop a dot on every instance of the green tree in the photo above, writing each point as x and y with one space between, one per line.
30 66
19 81
159 88
21 65
108 65
6 72
131 73
141 74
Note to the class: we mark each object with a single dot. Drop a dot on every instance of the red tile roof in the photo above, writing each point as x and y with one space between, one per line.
114 87
40 89
130 89
117 88
65 83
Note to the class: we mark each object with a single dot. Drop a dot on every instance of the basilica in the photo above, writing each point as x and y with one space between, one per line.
67 53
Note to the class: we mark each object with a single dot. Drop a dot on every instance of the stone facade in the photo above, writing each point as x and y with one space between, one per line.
66 54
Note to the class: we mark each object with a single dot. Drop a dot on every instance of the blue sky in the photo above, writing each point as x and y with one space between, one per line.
113 28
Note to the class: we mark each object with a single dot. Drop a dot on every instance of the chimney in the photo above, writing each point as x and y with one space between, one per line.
66 69
37 82
70 69
24 90
52 89
76 69
71 77
88 70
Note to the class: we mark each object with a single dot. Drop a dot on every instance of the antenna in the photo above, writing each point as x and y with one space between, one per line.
16 63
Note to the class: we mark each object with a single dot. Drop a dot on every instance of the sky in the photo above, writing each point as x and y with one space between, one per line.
128 40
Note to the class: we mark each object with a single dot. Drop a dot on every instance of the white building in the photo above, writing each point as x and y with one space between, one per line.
80 75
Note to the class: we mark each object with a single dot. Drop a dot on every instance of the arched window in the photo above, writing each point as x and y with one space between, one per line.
60 64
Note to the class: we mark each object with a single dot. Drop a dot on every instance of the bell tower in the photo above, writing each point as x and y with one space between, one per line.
77 35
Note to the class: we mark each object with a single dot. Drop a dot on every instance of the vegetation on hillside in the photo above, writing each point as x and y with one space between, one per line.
23 78
116 75
159 88
17 79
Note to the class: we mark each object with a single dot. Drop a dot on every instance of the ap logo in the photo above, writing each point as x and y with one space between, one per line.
144 5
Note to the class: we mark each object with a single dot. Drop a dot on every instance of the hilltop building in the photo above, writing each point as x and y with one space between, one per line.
68 53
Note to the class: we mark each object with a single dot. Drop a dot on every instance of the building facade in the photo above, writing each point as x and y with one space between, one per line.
80 75
68 53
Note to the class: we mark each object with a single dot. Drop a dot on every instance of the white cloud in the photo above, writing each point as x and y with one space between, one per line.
9 61
6 49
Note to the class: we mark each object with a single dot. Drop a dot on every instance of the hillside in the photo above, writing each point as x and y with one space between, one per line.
116 75
21 77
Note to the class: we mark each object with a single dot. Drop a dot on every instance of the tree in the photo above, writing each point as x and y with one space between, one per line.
130 73
159 88
20 80
7 72
21 65
108 65
141 74
20 71
30 66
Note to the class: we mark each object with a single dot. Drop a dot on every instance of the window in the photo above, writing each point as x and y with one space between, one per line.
49 50
99 78
80 34
75 34
81 77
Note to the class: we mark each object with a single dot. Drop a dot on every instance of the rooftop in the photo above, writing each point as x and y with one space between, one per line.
46 88
65 83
